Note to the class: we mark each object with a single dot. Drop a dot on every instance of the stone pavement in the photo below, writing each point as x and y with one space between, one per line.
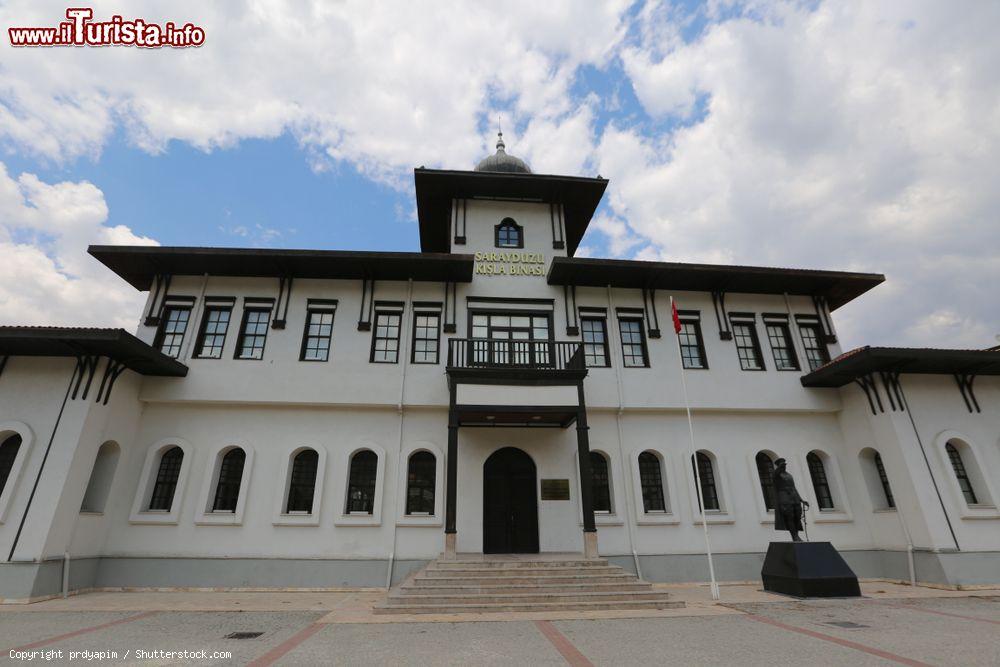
892 624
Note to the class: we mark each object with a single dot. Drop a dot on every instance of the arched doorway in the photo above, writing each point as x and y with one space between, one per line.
510 503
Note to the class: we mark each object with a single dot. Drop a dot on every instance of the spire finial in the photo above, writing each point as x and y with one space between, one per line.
500 144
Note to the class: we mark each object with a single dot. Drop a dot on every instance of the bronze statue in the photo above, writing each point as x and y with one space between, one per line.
788 505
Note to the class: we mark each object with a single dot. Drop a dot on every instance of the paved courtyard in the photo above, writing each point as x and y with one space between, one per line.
891 625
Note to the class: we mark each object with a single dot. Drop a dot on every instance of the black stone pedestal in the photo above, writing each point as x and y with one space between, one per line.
808 570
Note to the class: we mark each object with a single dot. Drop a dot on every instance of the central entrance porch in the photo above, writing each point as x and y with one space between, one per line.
500 397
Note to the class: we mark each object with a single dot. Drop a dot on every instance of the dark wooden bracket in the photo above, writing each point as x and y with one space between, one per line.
965 381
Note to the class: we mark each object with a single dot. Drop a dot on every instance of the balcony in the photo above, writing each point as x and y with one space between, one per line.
506 382
489 354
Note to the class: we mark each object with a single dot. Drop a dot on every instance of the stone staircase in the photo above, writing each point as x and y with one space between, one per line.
519 584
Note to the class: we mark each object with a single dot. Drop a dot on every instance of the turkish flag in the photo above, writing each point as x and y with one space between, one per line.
677 319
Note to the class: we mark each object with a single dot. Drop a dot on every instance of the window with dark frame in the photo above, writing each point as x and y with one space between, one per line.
385 337
8 454
212 337
167 473
747 346
782 348
253 333
361 483
173 325
651 479
421 475
601 484
817 353
633 342
964 483
426 337
227 488
302 482
692 345
821 485
884 479
595 341
704 475
317 334
765 472
509 234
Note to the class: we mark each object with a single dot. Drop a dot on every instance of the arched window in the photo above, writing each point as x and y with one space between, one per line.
227 489
509 234
361 483
166 479
420 477
101 476
821 485
961 474
884 480
651 477
302 482
8 453
601 485
704 475
765 471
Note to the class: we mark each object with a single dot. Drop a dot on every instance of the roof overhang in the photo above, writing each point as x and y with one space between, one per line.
139 264
116 344
436 188
837 287
921 361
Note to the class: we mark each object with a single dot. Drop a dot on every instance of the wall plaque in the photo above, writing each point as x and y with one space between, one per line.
555 489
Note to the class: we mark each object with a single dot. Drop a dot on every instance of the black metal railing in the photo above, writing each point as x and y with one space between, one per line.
527 354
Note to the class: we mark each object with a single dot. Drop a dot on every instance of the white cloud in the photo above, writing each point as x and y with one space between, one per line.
46 276
859 136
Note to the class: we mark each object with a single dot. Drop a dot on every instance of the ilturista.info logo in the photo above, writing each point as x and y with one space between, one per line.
81 30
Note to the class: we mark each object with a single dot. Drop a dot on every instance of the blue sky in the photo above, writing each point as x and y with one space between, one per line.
848 135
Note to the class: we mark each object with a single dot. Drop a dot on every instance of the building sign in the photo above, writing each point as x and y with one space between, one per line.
555 489
510 263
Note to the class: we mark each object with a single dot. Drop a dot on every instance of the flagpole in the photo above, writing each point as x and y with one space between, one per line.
694 454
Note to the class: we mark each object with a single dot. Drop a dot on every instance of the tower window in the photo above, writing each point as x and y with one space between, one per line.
361 483
765 471
167 474
172 328
420 479
961 474
509 234
704 476
227 490
8 453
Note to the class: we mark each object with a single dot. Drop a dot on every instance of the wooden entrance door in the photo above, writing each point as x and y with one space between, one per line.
510 503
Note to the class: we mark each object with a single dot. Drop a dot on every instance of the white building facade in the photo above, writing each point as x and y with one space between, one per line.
318 419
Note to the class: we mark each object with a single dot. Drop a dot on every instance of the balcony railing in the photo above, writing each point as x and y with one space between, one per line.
489 353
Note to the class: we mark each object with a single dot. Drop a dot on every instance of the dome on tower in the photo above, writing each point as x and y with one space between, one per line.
502 162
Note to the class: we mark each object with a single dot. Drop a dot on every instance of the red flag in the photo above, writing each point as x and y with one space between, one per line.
677 319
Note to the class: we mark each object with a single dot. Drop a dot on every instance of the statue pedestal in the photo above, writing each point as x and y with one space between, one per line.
808 570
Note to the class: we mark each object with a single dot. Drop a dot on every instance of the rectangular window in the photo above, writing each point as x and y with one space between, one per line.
747 346
595 341
385 340
812 340
426 337
782 348
317 334
171 332
253 333
692 344
633 342
212 337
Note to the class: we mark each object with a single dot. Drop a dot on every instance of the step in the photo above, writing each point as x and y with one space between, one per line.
520 588
534 580
516 571
620 605
541 597
516 564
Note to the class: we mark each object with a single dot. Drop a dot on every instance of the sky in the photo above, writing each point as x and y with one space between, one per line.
856 136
